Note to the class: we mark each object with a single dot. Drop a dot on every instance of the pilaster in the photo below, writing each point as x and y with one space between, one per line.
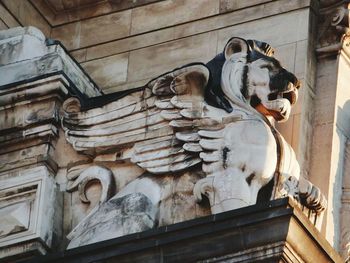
36 76
331 128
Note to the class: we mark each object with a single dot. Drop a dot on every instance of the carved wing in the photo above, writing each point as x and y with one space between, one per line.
114 125
167 126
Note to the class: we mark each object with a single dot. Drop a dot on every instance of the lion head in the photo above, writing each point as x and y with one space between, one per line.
251 75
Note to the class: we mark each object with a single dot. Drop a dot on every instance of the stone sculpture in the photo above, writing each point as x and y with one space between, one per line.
210 126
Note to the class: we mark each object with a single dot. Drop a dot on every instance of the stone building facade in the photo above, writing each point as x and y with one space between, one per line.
51 50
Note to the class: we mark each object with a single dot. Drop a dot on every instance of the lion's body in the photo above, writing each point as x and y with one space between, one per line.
228 152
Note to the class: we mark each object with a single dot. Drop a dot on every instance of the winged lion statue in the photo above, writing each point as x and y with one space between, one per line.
202 133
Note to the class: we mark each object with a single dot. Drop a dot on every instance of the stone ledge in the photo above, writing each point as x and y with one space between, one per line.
26 56
275 232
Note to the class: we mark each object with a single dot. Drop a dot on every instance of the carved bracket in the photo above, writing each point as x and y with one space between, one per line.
333 29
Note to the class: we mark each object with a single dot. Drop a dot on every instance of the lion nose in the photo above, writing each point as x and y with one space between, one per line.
291 78
297 84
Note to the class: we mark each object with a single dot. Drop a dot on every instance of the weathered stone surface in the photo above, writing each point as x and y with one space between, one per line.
331 133
264 30
7 19
182 11
14 218
3 26
110 71
88 32
130 43
79 55
28 114
117 217
31 207
286 53
162 35
296 138
344 213
250 15
127 86
21 44
228 5
57 13
20 63
274 233
304 63
272 29
30 211
164 57
27 15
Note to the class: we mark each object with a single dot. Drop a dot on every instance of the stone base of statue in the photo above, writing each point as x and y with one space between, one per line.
274 232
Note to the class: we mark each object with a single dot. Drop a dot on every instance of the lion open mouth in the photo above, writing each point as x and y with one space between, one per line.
279 113
291 95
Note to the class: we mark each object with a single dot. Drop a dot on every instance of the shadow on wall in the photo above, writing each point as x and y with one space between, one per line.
340 213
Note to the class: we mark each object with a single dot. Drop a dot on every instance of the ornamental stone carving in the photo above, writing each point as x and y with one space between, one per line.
334 31
200 134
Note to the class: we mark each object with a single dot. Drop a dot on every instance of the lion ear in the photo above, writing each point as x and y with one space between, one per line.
235 45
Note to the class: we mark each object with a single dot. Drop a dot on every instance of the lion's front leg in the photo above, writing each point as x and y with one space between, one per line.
237 166
311 196
228 190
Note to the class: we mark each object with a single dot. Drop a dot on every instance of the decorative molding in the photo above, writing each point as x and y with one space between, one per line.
27 56
30 212
278 232
334 30
36 77
56 13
